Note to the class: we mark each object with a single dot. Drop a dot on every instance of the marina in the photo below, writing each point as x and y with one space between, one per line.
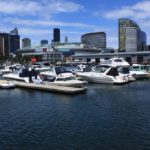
74 75
72 79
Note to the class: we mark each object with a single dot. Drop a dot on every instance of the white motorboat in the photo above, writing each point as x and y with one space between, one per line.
115 62
67 79
50 74
103 74
23 75
139 71
5 70
53 72
6 84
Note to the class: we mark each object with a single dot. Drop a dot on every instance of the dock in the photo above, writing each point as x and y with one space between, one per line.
50 88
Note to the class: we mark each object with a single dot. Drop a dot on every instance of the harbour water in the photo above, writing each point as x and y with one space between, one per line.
106 117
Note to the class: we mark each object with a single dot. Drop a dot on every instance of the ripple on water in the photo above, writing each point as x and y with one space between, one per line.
106 117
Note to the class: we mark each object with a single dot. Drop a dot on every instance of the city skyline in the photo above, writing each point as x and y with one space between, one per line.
36 19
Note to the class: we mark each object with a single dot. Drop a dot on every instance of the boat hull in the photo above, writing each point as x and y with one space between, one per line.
101 79
68 84
6 85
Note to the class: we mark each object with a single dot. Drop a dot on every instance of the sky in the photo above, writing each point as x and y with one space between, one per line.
36 19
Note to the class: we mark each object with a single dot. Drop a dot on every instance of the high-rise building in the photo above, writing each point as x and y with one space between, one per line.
123 24
14 31
143 39
10 43
131 38
14 43
56 35
2 51
44 42
14 40
66 39
131 42
26 43
95 39
5 40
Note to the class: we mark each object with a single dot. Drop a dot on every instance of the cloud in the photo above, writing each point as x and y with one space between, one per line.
46 23
64 6
38 8
15 7
137 11
35 32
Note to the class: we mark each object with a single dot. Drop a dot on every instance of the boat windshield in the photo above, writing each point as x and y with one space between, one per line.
135 68
69 78
148 68
144 68
72 68
60 79
118 60
124 70
65 79
24 73
113 72
60 70
105 62
15 71
101 69
49 70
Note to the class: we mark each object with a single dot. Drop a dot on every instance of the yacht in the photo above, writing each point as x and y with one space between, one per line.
115 62
5 70
49 74
53 72
104 74
23 75
6 84
139 71
67 79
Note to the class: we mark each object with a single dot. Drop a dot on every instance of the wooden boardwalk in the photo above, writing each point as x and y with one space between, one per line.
52 88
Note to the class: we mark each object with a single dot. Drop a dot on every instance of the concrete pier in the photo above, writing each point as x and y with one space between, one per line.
51 88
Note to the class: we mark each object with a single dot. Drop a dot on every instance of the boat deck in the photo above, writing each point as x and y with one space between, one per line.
51 88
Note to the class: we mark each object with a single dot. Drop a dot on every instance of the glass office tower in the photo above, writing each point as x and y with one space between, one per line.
95 39
130 36
56 35
26 43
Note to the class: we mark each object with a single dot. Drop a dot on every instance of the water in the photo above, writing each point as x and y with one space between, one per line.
107 117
